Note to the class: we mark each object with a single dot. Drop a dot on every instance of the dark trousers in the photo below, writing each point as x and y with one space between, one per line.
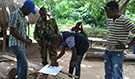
44 52
77 66
133 49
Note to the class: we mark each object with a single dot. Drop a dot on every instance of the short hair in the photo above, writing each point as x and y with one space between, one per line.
79 23
43 9
112 5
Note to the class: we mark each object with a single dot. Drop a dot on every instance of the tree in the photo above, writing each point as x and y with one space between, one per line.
90 11
123 4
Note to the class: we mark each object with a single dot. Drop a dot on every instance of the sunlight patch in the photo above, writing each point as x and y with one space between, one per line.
126 77
83 65
89 66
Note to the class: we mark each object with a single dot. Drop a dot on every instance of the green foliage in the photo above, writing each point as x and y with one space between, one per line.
68 12
130 12
131 7
39 3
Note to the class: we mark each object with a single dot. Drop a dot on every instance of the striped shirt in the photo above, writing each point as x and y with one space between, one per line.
118 30
19 22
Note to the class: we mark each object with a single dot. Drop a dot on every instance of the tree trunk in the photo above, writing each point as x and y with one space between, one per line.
4 25
123 4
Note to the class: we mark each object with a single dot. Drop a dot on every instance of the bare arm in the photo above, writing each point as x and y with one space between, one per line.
61 53
14 22
15 33
123 4
131 43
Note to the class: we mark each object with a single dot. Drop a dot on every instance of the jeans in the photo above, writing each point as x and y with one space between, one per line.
114 65
22 66
133 49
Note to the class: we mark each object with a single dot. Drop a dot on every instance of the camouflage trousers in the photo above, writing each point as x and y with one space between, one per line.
45 55
49 49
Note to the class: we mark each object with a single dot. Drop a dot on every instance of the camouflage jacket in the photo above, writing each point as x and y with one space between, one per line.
45 30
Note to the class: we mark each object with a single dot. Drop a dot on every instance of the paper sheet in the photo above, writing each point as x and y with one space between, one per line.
52 70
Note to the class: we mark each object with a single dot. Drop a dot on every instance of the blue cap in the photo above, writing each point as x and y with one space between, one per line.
29 4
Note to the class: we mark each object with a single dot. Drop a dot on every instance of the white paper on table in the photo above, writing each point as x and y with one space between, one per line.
52 70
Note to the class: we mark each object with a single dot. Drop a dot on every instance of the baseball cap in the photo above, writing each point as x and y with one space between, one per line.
29 4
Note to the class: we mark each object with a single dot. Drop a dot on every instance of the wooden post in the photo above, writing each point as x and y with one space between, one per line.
4 40
3 25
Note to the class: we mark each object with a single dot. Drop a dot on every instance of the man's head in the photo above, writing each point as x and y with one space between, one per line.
78 23
112 9
43 13
77 27
28 7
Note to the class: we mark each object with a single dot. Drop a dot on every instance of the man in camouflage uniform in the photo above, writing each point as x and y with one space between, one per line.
46 33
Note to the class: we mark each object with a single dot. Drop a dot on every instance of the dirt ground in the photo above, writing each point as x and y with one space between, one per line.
91 69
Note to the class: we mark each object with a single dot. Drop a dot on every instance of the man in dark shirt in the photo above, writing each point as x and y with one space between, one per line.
78 43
